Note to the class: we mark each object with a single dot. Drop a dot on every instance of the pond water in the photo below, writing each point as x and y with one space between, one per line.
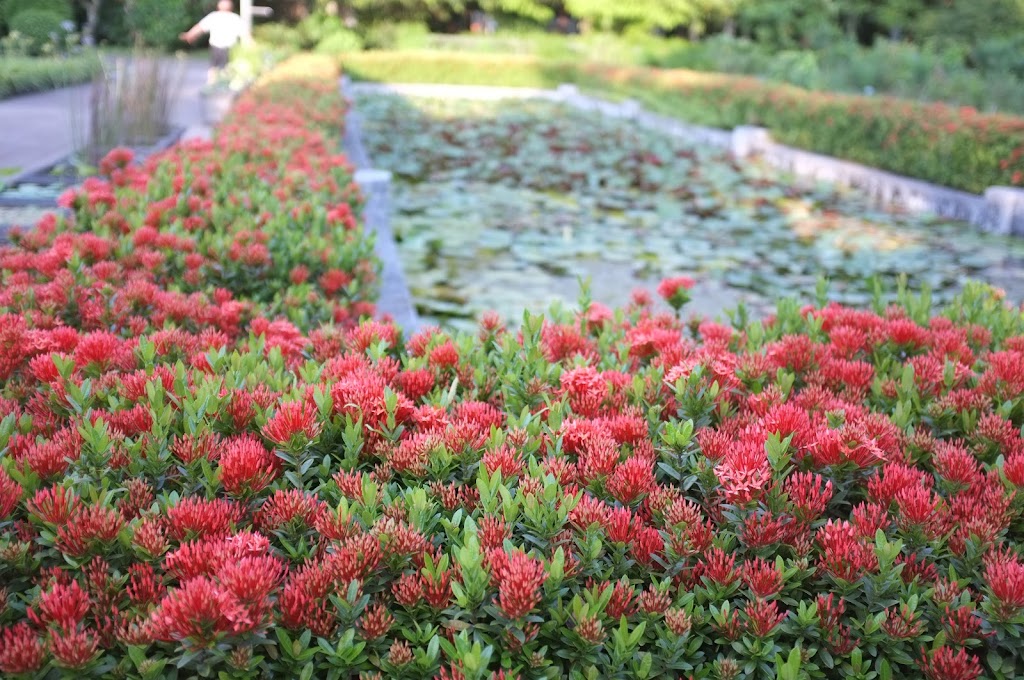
509 205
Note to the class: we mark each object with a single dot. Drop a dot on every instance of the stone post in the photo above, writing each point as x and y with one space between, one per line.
1006 209
245 11
567 91
749 140
630 108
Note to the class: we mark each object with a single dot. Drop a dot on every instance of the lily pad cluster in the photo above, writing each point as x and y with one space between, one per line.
505 205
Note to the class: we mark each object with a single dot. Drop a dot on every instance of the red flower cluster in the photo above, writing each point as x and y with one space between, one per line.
329 496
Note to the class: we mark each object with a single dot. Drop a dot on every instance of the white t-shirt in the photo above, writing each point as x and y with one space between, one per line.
225 28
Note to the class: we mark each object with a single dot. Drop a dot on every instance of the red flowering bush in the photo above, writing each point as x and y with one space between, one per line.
830 493
207 236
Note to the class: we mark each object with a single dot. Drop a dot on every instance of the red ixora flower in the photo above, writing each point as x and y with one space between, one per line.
73 647
519 581
89 529
762 577
676 290
763 616
297 420
198 613
376 621
1004 574
631 480
945 663
744 473
21 650
10 494
63 605
246 466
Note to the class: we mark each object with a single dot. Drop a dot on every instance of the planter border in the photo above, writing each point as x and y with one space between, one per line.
999 210
395 299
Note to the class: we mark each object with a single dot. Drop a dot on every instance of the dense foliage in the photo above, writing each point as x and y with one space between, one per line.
157 22
202 476
11 8
38 26
928 73
954 146
779 23
19 75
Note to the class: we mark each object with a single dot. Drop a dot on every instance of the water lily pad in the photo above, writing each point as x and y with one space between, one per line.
509 203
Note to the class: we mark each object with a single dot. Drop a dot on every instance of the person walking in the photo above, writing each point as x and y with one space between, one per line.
225 29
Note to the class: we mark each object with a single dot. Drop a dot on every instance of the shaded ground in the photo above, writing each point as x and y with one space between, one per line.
45 125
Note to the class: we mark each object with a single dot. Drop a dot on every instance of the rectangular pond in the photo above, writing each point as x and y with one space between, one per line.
507 205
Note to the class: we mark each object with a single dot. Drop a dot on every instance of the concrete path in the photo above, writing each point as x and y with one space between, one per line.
41 128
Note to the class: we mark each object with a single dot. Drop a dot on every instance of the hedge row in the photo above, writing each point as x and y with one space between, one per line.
20 75
956 147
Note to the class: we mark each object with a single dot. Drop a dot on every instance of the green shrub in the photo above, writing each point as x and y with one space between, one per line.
19 75
12 8
340 42
316 27
41 26
407 35
276 35
113 25
457 69
157 23
1000 55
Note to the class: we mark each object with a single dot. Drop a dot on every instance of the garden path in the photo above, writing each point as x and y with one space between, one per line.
39 129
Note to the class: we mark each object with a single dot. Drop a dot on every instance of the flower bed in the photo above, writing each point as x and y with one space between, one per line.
208 234
954 146
203 489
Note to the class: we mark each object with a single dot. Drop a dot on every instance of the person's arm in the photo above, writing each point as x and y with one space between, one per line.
191 34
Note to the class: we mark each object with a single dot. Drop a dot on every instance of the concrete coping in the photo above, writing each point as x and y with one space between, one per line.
567 90
630 108
369 176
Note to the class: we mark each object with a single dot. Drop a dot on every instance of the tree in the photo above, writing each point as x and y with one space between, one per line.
157 23
373 11
92 18
785 24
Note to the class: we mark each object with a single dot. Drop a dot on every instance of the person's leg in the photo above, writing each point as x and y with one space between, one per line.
218 60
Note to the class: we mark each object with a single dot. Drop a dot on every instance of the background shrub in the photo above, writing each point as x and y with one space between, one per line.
314 28
403 35
11 8
41 26
157 23
278 35
340 42
20 75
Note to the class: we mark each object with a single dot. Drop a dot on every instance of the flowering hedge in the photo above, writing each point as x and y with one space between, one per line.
954 146
193 486
209 235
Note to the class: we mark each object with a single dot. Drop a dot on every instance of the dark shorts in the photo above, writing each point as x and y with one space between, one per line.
218 57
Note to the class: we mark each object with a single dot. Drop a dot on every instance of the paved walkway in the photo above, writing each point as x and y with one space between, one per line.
41 128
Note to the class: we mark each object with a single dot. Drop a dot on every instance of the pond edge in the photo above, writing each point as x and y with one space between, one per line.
1000 210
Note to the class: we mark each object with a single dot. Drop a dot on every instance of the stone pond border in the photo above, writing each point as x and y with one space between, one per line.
1000 210
394 300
